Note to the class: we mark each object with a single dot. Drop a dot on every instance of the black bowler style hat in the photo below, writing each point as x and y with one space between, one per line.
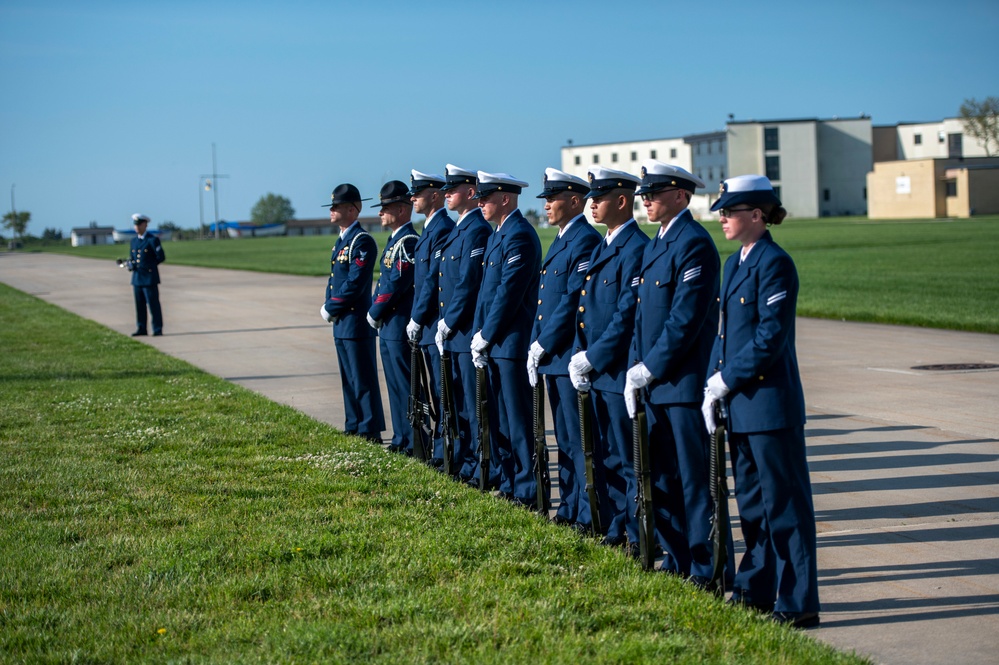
394 191
345 193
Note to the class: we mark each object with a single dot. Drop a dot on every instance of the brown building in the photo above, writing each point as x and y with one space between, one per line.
934 187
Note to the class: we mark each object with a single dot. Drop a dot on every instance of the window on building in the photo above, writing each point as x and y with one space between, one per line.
709 147
865 193
951 188
825 194
672 153
634 155
721 174
652 154
777 191
698 151
711 174
596 159
773 167
578 160
955 147
917 139
941 137
613 156
771 138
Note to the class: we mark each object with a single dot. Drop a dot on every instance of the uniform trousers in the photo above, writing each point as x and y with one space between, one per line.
511 429
613 431
362 398
433 360
466 446
147 295
774 495
574 504
396 357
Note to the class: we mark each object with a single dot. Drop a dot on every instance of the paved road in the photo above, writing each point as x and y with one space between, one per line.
904 462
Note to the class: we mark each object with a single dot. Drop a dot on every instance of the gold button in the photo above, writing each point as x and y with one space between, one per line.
657 282
718 299
544 272
605 281
490 263
641 281
583 292
539 317
442 303
742 300
539 302
588 278
582 309
639 300
582 325
556 271
761 377
542 286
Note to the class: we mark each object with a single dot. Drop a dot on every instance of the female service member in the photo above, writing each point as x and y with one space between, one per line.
754 370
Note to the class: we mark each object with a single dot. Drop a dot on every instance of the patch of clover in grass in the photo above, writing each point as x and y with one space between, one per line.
354 463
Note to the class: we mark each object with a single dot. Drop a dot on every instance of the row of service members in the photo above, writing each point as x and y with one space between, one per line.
464 289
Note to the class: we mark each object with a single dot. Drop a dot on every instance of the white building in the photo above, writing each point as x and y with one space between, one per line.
92 235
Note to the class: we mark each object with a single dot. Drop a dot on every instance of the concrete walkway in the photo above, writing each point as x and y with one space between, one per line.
904 462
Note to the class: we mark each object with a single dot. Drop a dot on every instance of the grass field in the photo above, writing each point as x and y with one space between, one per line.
154 513
933 273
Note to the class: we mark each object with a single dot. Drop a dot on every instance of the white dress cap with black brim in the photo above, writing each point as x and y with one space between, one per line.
658 175
498 182
557 182
419 181
604 181
140 219
749 189
455 176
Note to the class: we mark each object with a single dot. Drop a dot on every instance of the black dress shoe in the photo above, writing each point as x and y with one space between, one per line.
617 541
139 333
525 503
737 600
158 333
796 619
702 583
563 521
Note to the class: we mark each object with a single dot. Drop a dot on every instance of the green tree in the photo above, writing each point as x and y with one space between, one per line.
981 121
271 209
17 222
52 234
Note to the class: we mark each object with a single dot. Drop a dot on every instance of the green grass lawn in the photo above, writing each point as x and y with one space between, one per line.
154 513
933 273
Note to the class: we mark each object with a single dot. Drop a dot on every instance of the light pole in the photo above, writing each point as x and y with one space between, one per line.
204 185
211 184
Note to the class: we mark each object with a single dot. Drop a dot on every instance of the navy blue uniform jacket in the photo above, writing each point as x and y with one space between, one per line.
146 254
754 349
562 276
606 312
427 265
677 317
348 292
460 277
394 294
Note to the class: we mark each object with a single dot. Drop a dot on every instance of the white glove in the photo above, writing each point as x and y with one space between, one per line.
479 343
480 358
579 364
443 329
532 369
439 341
327 317
413 330
716 386
374 324
708 411
579 381
637 378
536 352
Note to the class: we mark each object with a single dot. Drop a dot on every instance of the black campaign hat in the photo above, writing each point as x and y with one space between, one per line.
345 193
394 191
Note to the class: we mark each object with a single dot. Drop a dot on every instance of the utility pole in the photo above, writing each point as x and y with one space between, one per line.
210 183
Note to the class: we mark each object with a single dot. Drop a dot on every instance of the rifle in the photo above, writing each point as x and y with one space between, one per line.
419 403
586 435
541 474
719 495
482 415
643 477
449 429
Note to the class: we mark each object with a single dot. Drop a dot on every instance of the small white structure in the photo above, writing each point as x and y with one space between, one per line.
92 235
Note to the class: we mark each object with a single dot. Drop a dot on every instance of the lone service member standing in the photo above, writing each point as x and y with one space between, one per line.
756 372
145 256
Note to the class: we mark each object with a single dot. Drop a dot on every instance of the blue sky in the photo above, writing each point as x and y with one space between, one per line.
111 108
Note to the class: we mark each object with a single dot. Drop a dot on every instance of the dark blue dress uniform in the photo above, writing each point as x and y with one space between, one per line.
392 306
146 254
426 307
504 316
605 322
348 299
675 325
460 276
755 353
562 277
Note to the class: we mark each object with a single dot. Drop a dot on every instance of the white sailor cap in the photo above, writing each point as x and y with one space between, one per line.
604 181
498 182
455 175
658 175
557 182
140 219
418 181
750 189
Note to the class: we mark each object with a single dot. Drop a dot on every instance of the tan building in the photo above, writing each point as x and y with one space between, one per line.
928 188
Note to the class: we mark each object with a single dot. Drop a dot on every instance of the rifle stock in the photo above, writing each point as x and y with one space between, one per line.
482 415
419 403
643 478
719 496
586 435
449 429
541 474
